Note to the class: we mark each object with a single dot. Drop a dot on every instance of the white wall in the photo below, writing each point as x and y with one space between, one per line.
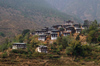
53 38
14 47
41 39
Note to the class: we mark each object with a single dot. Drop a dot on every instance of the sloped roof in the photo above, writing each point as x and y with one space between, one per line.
18 43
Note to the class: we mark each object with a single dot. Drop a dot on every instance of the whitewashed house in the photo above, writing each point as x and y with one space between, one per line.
54 36
40 32
42 49
19 46
42 37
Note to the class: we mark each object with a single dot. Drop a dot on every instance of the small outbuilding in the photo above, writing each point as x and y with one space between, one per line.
42 49
19 46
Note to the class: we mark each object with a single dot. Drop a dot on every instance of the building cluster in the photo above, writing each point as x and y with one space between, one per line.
52 32
59 30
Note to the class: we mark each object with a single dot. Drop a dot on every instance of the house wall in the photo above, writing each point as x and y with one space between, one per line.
76 27
41 39
44 50
14 47
19 46
68 30
53 38
39 50
69 23
66 34
78 31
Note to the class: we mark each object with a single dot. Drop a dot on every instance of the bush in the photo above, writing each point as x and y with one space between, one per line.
69 50
4 55
2 34
3 47
76 49
78 37
20 51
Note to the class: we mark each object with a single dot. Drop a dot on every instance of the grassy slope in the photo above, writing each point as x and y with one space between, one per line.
16 15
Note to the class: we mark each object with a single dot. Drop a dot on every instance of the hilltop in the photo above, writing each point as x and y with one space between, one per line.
84 9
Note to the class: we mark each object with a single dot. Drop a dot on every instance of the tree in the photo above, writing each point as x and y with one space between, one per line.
25 32
93 26
76 49
61 29
99 38
2 34
78 37
64 42
86 23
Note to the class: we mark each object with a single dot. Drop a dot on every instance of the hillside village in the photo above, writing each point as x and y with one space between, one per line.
70 27
78 42
49 35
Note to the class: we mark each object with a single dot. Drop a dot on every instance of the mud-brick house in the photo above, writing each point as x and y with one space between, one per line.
77 26
55 31
70 29
19 46
54 36
66 33
64 26
45 29
42 49
78 30
42 37
50 30
69 22
57 26
40 32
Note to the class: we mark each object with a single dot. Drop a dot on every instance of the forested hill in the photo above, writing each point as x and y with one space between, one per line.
85 9
17 15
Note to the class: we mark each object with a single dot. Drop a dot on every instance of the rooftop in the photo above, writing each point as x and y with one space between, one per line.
42 46
19 43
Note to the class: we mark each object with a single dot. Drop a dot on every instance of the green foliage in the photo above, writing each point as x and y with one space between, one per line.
76 49
86 22
60 47
93 26
64 41
4 55
5 45
25 32
99 38
93 32
20 51
2 34
78 37
61 29
69 50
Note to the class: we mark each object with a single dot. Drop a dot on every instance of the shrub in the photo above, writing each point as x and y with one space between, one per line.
4 55
2 34
78 37
20 51
69 50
